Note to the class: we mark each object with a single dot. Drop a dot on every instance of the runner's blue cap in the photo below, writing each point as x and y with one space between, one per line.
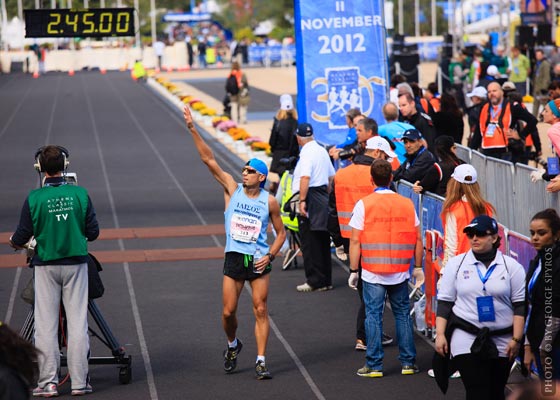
260 166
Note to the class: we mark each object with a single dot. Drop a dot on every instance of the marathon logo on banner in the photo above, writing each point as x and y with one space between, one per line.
341 60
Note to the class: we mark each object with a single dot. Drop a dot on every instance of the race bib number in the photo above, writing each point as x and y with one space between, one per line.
244 228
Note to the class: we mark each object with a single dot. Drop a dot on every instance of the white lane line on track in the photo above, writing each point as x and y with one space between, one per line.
135 311
11 302
53 109
12 116
17 277
303 371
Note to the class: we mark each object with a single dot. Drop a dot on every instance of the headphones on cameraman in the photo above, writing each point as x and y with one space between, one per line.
39 152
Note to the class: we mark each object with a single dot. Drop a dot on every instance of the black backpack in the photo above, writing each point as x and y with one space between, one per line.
231 85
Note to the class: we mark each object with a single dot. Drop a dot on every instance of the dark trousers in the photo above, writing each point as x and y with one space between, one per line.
316 249
361 317
483 380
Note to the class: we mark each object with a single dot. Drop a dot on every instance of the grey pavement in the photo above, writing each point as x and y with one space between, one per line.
133 154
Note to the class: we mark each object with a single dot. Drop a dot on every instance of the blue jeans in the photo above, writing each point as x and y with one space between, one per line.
374 299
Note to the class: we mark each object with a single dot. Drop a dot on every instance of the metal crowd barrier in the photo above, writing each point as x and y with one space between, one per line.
269 55
428 206
509 188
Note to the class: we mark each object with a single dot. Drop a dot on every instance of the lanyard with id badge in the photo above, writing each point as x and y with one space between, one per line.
485 304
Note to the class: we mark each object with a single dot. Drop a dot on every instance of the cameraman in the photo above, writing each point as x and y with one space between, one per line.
62 219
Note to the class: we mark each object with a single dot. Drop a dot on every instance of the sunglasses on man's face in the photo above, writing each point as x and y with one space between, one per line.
249 171
479 234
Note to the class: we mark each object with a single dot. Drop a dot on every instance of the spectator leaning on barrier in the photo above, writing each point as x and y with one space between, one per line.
248 257
438 175
60 269
480 314
420 121
385 248
497 132
542 341
533 138
463 202
350 185
312 178
418 159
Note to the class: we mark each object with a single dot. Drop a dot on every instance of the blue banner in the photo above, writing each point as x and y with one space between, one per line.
341 63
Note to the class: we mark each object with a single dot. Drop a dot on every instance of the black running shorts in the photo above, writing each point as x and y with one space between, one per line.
240 267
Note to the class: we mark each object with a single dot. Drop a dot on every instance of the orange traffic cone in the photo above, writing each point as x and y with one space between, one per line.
71 72
36 74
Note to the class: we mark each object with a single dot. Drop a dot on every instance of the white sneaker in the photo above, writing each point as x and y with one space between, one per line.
454 375
50 390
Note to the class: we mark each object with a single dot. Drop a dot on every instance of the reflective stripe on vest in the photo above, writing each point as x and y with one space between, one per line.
388 240
350 185
503 122
286 185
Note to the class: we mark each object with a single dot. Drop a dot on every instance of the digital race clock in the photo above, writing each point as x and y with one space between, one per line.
93 22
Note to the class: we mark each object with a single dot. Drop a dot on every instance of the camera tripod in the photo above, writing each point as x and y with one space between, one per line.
106 337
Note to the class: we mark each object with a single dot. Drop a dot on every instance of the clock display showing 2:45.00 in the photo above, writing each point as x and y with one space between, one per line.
93 22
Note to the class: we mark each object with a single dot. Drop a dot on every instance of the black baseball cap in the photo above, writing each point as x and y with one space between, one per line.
304 130
482 223
412 134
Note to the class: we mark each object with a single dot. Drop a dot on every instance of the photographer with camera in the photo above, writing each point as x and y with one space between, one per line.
365 128
62 219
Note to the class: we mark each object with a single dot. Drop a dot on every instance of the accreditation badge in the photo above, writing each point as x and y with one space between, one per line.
491 129
485 306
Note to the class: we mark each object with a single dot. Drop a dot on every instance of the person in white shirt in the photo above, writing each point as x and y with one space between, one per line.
312 179
481 312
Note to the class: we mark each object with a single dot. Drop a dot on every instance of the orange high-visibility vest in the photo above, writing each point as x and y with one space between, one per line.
436 103
389 236
502 122
350 185
463 216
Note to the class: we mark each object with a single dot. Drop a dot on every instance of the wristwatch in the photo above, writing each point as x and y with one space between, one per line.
271 256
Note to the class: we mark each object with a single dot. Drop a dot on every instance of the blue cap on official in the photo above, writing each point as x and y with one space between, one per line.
304 130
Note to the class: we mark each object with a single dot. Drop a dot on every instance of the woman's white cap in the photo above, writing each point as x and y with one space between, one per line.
465 173
286 102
